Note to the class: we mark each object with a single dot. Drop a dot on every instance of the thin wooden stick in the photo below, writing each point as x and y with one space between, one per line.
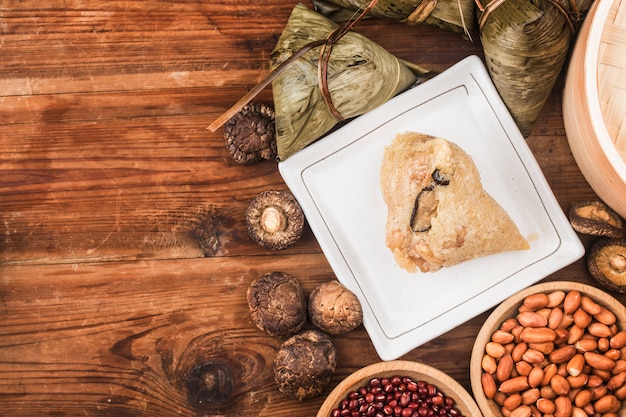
219 122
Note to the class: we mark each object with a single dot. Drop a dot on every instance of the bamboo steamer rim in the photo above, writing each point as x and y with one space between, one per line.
590 72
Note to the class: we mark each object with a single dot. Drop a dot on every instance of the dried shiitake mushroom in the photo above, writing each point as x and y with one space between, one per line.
275 219
607 263
251 134
595 218
334 308
305 364
277 304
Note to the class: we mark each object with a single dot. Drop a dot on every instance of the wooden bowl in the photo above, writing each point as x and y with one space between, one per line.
416 371
508 309
594 102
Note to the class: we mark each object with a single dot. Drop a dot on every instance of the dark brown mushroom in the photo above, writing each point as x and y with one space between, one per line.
275 219
277 304
424 209
607 263
305 365
425 206
595 218
251 134
334 308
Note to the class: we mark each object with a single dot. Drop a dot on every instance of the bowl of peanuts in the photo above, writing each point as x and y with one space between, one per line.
556 349
399 388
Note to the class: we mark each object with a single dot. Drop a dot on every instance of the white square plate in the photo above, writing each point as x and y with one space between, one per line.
336 180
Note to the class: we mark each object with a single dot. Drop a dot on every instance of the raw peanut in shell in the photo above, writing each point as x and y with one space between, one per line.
578 381
576 364
531 319
512 401
515 384
563 407
618 341
504 368
489 364
598 361
555 298
562 354
583 398
535 376
589 305
599 330
606 404
571 302
546 406
536 301
530 396
605 317
537 335
489 385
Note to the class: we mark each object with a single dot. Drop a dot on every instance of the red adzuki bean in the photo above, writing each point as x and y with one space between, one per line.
397 396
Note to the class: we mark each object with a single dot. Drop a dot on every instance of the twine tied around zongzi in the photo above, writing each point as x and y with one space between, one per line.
571 16
323 61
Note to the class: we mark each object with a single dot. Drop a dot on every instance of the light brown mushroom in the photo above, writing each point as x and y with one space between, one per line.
595 218
607 263
334 308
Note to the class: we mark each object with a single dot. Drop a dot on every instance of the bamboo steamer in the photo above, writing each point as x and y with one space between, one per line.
594 101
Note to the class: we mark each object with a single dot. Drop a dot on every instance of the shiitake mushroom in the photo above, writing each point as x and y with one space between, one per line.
334 308
595 218
277 304
251 134
607 263
305 364
274 219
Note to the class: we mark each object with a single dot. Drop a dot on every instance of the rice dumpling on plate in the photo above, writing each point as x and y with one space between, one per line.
360 76
454 15
526 44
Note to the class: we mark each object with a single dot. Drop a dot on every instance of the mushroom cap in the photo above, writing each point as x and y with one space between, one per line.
251 134
607 263
277 304
305 364
275 219
334 308
595 218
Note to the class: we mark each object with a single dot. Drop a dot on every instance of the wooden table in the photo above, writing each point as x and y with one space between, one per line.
124 257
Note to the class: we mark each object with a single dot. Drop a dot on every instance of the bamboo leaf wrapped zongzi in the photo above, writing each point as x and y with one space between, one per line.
526 44
360 76
455 15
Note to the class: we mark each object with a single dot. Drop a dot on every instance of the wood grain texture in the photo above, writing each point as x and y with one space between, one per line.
124 257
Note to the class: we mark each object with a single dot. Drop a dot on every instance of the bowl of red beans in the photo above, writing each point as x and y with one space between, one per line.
399 389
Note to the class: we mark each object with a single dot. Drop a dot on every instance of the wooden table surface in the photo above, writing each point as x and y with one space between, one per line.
124 257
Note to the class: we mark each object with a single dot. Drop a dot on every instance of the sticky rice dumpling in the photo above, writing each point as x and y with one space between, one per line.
361 75
454 15
526 44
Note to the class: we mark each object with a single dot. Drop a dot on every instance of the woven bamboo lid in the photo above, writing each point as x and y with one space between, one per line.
612 75
594 101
